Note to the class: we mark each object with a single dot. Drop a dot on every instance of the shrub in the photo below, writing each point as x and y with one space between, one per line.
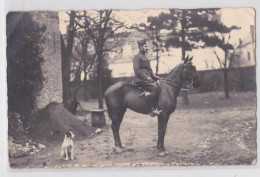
24 60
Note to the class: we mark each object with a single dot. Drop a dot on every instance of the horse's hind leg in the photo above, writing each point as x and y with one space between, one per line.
117 117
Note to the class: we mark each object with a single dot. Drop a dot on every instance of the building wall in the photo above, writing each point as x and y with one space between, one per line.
203 59
52 90
245 55
240 79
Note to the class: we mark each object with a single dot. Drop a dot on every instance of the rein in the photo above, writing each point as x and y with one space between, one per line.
170 83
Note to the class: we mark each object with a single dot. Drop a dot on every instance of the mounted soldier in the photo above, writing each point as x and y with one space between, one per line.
145 78
122 95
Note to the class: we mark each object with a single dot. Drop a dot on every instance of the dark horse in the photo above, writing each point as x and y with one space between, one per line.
121 96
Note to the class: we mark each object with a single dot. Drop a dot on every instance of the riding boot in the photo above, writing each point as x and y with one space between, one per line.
151 98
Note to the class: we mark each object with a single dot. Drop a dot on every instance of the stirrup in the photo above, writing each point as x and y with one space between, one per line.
185 88
145 93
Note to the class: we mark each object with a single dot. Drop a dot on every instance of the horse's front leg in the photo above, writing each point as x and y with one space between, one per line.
162 125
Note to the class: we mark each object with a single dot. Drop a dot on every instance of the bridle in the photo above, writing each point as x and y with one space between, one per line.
169 82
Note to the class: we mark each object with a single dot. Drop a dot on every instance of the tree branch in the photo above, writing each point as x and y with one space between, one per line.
219 60
112 33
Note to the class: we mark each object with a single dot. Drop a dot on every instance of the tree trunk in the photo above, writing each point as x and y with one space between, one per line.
226 83
185 97
183 24
183 53
73 107
157 52
99 77
75 85
63 59
66 52
157 59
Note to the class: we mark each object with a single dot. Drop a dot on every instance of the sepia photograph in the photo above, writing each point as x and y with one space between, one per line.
171 87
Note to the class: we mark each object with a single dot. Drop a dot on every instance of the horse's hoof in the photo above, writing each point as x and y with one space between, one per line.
118 150
161 154
161 149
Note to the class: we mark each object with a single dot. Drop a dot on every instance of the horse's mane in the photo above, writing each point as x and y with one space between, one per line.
175 75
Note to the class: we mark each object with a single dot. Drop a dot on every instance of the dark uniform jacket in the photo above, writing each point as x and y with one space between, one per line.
142 69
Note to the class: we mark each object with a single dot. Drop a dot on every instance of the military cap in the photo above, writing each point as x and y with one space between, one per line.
141 43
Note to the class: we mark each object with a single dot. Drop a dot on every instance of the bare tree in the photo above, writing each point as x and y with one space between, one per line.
82 57
226 61
100 26
219 36
66 52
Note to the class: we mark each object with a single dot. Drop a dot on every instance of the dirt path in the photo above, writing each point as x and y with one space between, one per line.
194 137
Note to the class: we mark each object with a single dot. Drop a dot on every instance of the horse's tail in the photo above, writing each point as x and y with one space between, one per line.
108 107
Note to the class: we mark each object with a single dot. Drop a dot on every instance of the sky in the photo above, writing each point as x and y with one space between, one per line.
127 16
242 17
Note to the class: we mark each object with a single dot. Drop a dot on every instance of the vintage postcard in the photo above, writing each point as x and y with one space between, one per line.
131 88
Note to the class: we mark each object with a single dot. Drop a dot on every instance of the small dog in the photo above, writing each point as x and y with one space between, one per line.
67 146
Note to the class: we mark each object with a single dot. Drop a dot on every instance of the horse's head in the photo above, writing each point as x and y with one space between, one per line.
189 74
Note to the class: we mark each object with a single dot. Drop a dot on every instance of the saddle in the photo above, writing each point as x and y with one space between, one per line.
140 88
148 97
